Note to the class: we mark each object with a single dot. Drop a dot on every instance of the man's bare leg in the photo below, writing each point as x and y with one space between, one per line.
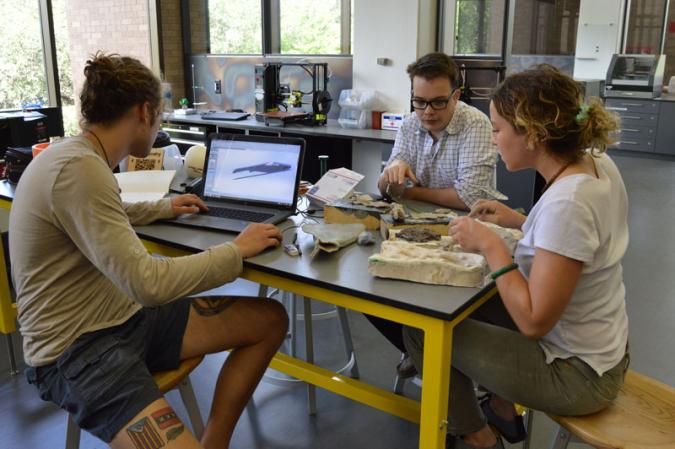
253 328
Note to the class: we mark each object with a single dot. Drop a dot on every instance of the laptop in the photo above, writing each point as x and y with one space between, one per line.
248 179
230 116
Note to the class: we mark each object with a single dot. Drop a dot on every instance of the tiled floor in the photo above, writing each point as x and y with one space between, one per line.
278 418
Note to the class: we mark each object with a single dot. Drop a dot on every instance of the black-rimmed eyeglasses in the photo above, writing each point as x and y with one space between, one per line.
436 104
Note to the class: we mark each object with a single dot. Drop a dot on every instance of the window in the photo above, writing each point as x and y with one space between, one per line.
292 27
545 27
309 27
23 79
645 26
235 27
62 40
479 27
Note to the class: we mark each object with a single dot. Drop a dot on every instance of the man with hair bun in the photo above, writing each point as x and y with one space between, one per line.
556 339
98 314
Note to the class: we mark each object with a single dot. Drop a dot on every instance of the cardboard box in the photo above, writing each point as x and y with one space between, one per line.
344 211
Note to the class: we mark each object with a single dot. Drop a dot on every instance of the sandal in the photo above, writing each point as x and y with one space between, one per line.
512 431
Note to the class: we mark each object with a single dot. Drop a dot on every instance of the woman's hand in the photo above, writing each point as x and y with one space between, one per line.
495 212
187 204
471 234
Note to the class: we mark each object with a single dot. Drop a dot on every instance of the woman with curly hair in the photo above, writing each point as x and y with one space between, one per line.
556 339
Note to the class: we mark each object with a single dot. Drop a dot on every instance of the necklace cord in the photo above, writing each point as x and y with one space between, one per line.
102 147
552 180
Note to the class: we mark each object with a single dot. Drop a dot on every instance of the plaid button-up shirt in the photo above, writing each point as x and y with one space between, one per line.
463 158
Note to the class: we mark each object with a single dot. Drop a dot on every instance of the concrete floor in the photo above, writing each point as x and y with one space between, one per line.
278 418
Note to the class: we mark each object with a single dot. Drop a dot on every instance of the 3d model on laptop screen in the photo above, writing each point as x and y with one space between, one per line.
266 168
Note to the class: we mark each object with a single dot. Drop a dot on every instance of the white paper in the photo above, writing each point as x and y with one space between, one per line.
144 185
335 184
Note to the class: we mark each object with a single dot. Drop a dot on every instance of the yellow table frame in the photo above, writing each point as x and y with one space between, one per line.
7 307
431 412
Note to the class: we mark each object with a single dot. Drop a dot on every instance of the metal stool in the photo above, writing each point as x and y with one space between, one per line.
399 382
290 301
166 381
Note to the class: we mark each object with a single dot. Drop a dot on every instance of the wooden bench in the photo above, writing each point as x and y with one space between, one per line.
166 381
641 417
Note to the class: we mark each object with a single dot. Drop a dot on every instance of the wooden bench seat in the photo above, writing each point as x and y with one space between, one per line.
641 417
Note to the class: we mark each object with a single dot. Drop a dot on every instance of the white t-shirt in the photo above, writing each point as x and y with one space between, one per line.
585 218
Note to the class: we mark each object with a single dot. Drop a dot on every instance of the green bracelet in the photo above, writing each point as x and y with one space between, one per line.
495 274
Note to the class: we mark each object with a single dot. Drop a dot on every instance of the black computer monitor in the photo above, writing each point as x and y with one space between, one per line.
54 120
25 128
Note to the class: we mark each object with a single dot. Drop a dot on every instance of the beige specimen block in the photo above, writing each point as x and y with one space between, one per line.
428 264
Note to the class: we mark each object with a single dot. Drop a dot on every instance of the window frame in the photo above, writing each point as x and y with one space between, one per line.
49 64
446 32
271 29
626 26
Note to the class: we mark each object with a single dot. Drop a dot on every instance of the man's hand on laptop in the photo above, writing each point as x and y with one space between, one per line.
187 204
256 237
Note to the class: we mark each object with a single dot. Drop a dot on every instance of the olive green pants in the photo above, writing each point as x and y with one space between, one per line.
489 350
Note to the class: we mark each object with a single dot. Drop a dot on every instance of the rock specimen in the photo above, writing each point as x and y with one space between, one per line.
418 235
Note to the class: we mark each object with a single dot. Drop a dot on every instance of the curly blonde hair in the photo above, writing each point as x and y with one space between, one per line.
113 84
548 107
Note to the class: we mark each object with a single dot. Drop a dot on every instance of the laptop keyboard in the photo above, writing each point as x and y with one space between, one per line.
238 214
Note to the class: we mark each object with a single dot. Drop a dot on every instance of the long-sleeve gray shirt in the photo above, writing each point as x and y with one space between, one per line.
77 264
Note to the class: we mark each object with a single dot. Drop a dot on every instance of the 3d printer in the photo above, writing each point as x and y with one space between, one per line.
271 94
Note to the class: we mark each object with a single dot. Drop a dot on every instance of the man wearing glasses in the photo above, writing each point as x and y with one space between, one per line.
443 153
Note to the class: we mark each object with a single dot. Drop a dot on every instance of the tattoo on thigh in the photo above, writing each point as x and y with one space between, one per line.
144 436
212 305
175 432
166 418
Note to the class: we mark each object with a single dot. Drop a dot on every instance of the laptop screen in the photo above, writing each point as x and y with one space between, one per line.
253 169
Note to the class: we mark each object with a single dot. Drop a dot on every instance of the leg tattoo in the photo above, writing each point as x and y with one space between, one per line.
212 305
144 436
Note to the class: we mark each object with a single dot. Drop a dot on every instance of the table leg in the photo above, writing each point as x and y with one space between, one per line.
13 369
435 385
309 353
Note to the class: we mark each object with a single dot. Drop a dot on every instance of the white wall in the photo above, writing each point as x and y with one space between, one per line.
401 31
598 37
385 29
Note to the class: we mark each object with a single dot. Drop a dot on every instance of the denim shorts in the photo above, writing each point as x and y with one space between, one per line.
104 378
